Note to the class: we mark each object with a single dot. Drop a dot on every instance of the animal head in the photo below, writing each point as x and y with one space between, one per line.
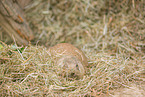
70 66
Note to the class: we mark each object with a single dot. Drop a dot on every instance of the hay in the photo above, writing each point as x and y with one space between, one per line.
110 33
33 72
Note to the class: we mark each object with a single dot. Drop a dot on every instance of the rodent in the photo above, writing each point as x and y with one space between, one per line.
70 58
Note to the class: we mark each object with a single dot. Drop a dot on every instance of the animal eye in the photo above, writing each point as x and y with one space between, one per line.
77 66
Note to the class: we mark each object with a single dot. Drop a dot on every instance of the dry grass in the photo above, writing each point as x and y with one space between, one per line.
111 34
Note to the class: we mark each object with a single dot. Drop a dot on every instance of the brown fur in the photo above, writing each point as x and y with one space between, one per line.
67 54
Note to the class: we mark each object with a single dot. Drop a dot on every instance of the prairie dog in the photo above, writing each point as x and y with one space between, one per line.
71 59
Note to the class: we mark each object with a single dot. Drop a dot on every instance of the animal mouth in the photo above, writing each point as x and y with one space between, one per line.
74 75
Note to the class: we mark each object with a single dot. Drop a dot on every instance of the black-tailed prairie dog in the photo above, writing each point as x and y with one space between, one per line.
71 59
